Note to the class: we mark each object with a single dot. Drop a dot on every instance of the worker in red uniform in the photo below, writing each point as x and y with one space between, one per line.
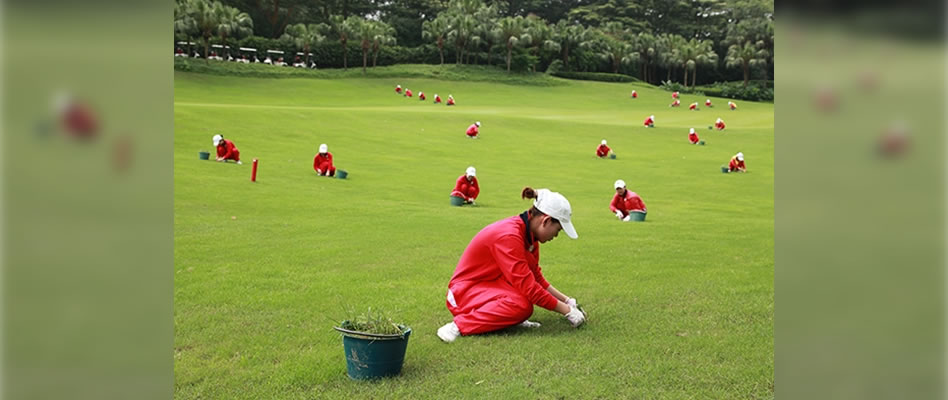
472 131
398 89
707 103
625 202
635 95
650 121
602 151
322 163
737 163
437 99
692 136
675 103
693 106
719 124
675 95
498 279
450 100
407 92
732 105
421 96
226 150
466 187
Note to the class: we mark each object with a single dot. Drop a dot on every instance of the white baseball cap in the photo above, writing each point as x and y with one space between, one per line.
603 141
450 96
692 130
652 117
471 171
619 183
436 95
740 156
478 123
217 139
719 120
556 206
708 100
323 148
395 85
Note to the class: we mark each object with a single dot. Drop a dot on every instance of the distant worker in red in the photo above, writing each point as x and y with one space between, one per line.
398 89
635 95
732 105
719 124
466 187
437 99
707 103
421 96
675 103
450 100
472 131
498 279
737 163
692 136
407 92
624 203
322 163
693 106
650 121
226 150
675 95
602 151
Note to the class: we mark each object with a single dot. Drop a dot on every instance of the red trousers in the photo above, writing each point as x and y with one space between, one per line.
327 169
488 306
466 191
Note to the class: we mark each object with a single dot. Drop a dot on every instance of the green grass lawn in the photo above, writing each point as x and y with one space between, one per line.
680 306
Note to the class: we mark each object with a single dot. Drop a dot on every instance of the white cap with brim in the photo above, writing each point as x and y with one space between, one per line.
323 148
619 183
471 171
692 130
740 156
603 141
556 206
478 123
217 139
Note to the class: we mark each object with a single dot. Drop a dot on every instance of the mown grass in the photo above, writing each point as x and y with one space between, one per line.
680 306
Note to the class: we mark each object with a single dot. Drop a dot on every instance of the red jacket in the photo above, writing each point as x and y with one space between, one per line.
408 92
708 103
471 130
470 192
320 158
450 102
693 106
675 95
630 202
227 150
504 250
398 90
437 99
735 165
635 95
602 150
719 125
421 96
676 103
649 121
693 137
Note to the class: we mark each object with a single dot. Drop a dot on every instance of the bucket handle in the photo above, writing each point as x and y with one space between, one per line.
374 335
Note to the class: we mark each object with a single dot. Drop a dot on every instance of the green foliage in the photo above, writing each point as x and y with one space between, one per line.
595 76
755 90
554 67
378 322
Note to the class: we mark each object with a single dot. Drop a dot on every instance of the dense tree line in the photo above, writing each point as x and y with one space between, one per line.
684 41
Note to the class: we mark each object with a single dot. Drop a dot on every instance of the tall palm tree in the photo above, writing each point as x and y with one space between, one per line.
384 35
569 36
510 31
539 34
204 15
485 19
364 33
305 37
703 55
344 29
461 31
644 45
231 22
437 30
746 56
184 23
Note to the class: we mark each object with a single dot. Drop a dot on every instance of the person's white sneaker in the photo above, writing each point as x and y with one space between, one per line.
530 324
449 332
238 162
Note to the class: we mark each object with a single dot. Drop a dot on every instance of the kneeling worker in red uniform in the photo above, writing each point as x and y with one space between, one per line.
707 103
437 99
498 279
407 92
472 130
421 96
675 103
602 151
675 94
226 150
732 105
466 187
737 163
322 163
450 100
398 89
719 124
693 106
650 121
635 95
624 203
692 136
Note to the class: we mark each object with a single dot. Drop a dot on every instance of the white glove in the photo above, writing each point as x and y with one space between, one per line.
575 317
571 302
627 218
619 214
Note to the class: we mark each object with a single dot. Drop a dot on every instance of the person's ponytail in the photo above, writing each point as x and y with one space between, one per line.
528 193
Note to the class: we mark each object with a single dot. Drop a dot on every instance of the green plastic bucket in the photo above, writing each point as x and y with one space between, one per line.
457 201
371 356
612 156
637 216
341 174
204 155
724 169
701 142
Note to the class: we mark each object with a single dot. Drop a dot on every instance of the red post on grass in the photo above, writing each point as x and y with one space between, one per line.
253 176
